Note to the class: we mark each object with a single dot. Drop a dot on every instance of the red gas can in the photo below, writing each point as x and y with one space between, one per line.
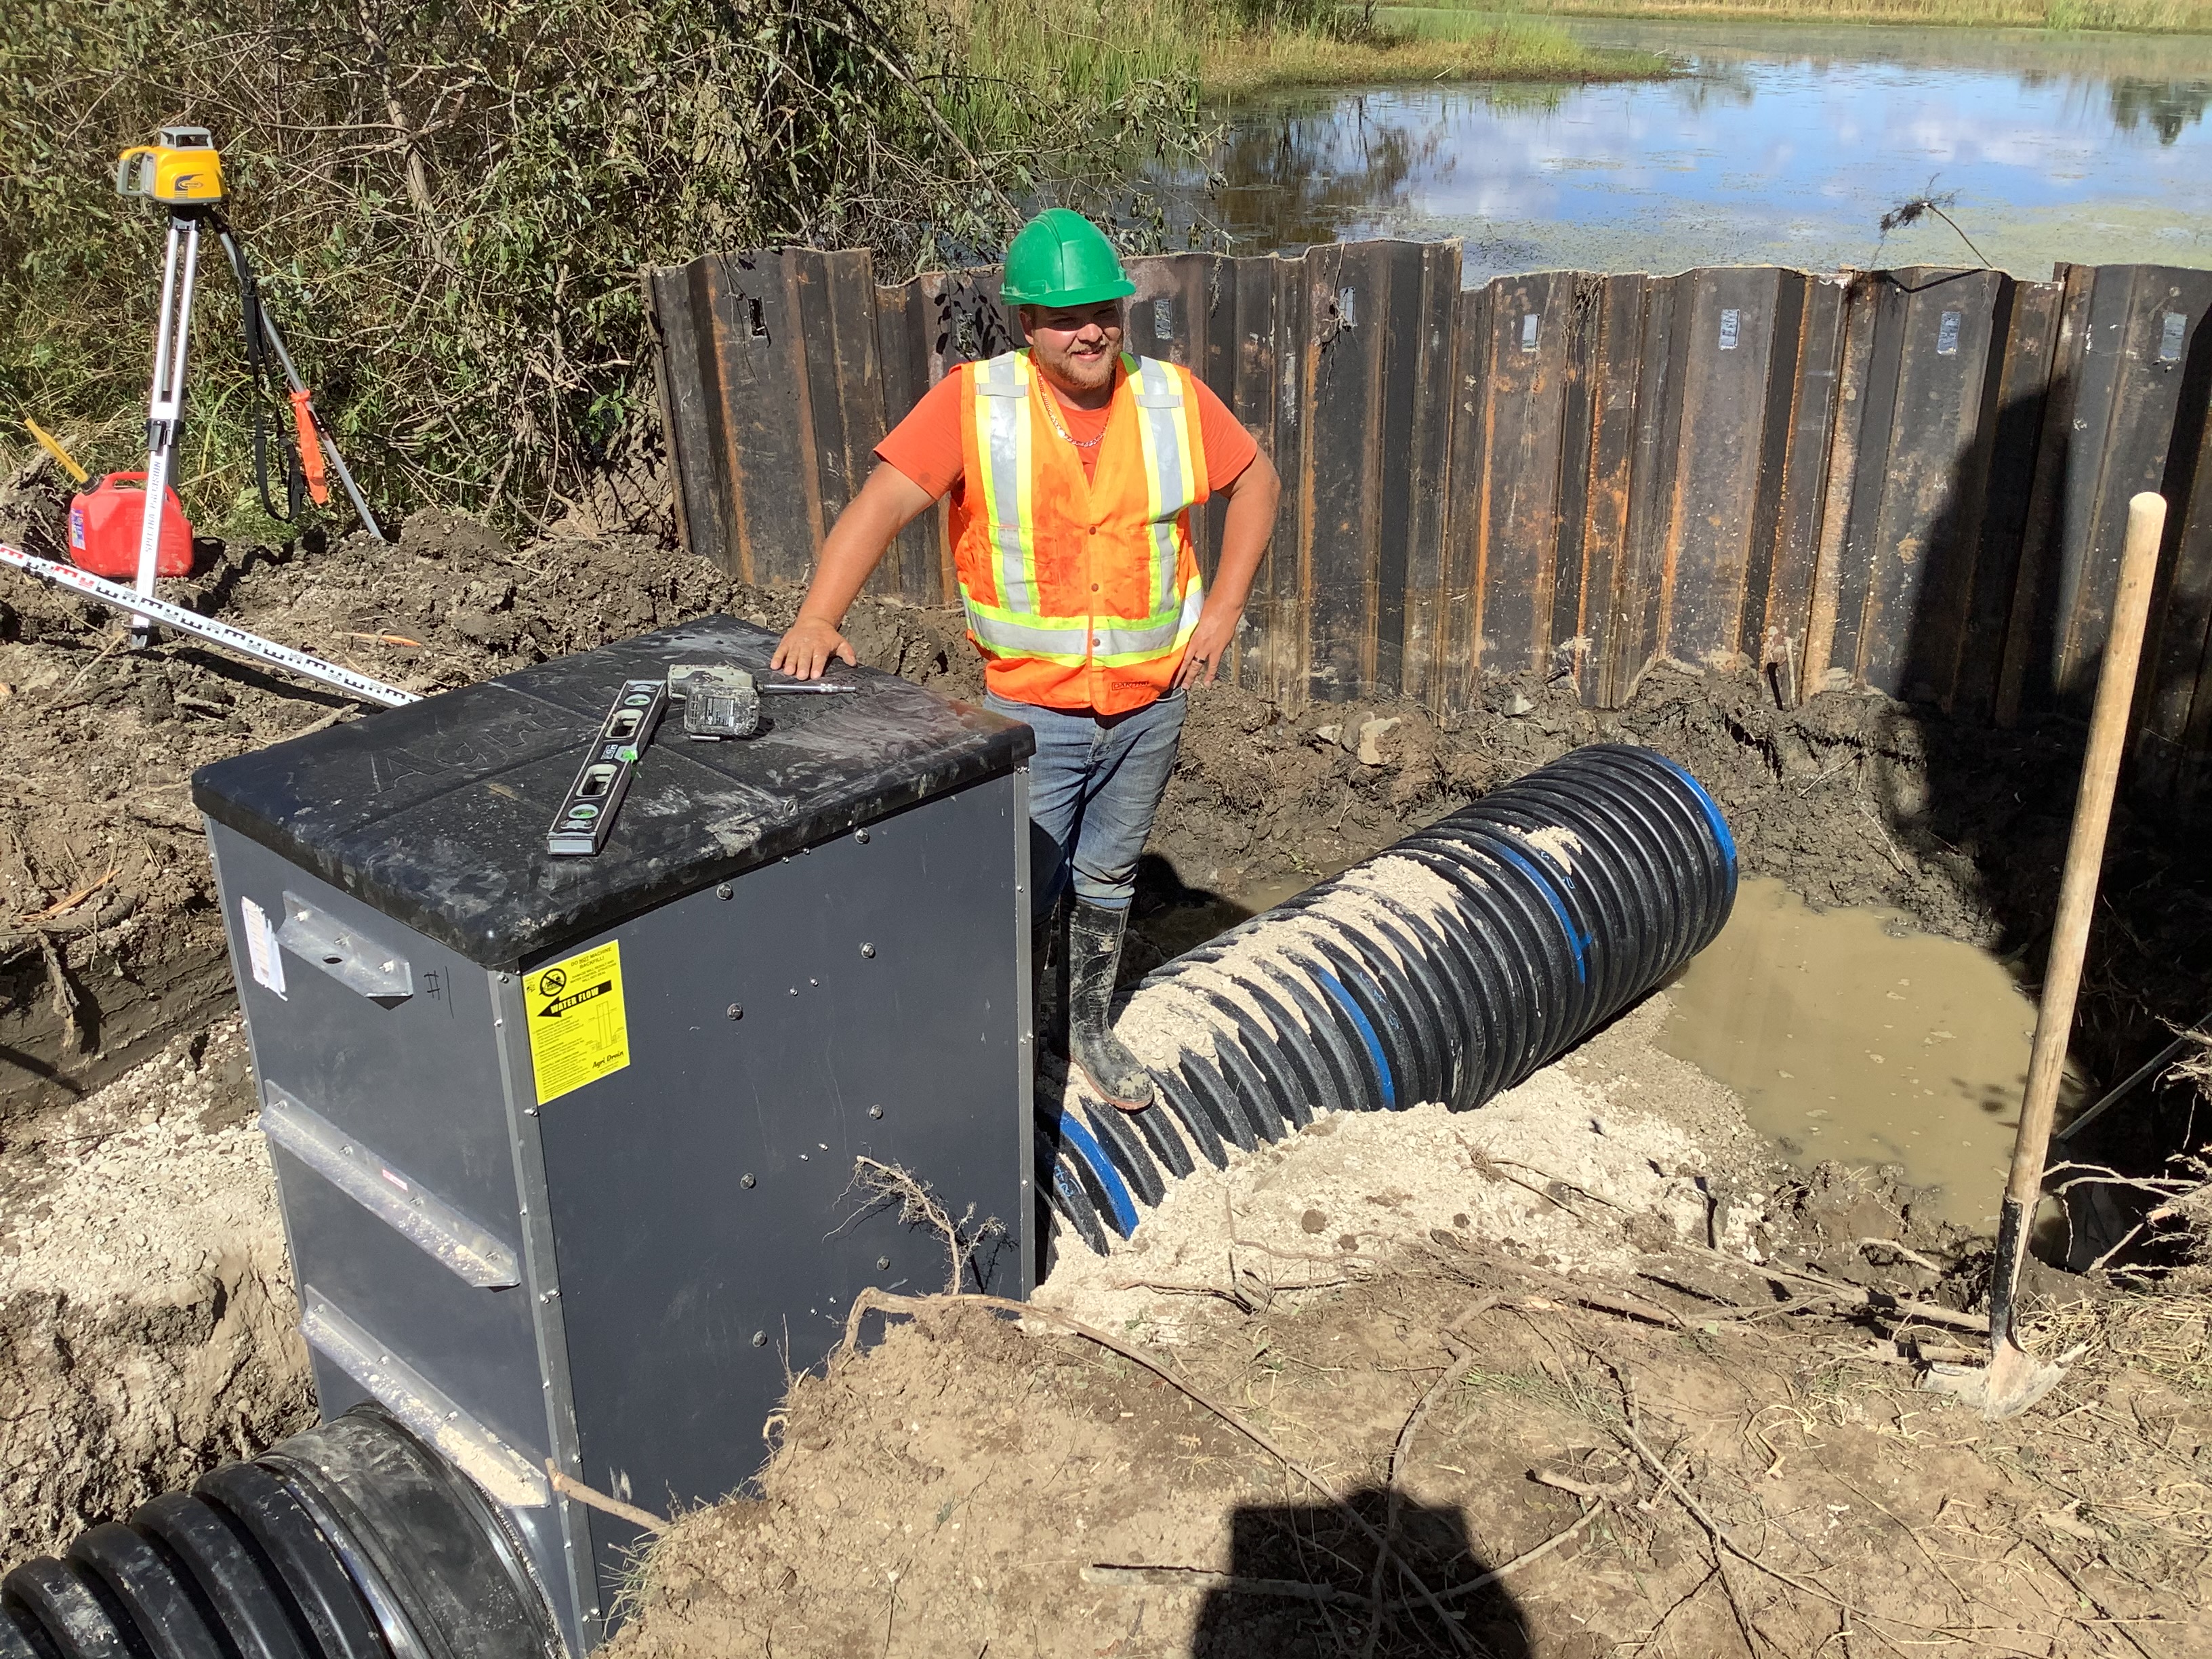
104 524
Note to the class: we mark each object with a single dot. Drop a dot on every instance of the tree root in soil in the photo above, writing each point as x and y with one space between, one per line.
569 1487
919 1206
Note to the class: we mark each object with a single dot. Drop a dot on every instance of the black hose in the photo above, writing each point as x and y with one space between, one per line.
1447 967
354 1540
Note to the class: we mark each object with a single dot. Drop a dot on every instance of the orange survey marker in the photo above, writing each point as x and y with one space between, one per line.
311 446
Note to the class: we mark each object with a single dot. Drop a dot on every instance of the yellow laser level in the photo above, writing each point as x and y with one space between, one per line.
183 170
184 173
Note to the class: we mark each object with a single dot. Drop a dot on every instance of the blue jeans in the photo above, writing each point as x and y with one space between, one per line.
1094 783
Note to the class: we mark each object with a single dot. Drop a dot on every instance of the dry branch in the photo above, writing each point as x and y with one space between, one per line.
1527 1558
568 1487
1199 1579
870 1298
918 1207
1386 1550
1298 1590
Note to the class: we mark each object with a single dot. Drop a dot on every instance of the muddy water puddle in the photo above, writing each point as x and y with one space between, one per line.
1849 1035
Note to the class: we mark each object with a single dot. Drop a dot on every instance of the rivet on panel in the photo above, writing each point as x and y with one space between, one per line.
723 892
875 1111
737 1011
883 1264
862 836
748 1181
760 1339
868 950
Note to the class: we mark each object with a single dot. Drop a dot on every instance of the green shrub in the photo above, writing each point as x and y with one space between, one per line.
450 203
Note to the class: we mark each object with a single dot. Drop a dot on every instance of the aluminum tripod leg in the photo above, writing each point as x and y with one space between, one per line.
164 412
292 380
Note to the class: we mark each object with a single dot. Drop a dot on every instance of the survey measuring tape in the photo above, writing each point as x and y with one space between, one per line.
207 628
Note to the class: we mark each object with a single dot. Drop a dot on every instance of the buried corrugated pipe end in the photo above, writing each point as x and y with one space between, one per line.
353 1541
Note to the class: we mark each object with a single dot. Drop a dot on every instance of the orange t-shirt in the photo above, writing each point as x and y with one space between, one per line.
926 445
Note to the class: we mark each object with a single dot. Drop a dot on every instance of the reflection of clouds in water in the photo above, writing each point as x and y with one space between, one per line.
1770 156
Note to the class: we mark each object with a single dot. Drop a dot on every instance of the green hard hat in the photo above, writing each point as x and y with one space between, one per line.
1061 258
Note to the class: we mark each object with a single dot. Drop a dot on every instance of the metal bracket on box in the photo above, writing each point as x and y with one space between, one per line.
359 965
362 1174
419 1404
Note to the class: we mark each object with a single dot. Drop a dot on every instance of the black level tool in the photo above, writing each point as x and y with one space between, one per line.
580 827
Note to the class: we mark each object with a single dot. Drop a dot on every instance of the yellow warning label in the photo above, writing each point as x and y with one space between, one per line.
578 1031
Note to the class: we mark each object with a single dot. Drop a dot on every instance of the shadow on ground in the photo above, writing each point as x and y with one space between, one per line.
1299 1585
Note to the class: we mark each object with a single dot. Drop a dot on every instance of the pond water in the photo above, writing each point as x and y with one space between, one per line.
1779 143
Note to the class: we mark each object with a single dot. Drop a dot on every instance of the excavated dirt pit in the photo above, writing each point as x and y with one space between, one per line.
1316 1286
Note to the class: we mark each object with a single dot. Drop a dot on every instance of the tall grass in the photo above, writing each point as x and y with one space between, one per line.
1110 50
1497 49
1137 57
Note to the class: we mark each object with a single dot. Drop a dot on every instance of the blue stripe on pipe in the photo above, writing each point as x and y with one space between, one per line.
1367 1034
1712 812
1552 897
1117 1194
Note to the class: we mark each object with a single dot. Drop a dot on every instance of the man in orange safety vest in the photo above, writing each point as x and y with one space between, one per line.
1072 468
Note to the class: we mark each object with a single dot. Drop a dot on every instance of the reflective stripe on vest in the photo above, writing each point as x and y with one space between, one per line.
1007 440
1005 437
1166 441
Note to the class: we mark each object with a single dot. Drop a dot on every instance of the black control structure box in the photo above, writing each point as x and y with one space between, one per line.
568 1147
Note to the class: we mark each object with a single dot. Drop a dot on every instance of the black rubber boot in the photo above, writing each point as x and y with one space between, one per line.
1094 954
1049 981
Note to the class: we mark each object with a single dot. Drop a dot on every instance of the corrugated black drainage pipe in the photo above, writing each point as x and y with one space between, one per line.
1446 967
353 1541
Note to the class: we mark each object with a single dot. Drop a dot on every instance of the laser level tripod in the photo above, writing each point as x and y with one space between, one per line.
183 172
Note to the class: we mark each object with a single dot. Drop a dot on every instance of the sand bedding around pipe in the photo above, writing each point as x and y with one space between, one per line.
1614 1150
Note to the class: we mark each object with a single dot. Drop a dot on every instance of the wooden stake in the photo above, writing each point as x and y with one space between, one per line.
2013 1372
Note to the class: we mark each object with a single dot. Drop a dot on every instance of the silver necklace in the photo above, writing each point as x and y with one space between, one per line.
1052 411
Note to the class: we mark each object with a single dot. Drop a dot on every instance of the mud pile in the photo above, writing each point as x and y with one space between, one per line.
1616 1149
1685 1459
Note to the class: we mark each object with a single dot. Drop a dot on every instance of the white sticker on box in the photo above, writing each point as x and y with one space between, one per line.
261 956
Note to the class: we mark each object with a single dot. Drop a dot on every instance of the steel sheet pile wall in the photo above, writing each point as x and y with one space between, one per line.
1913 480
